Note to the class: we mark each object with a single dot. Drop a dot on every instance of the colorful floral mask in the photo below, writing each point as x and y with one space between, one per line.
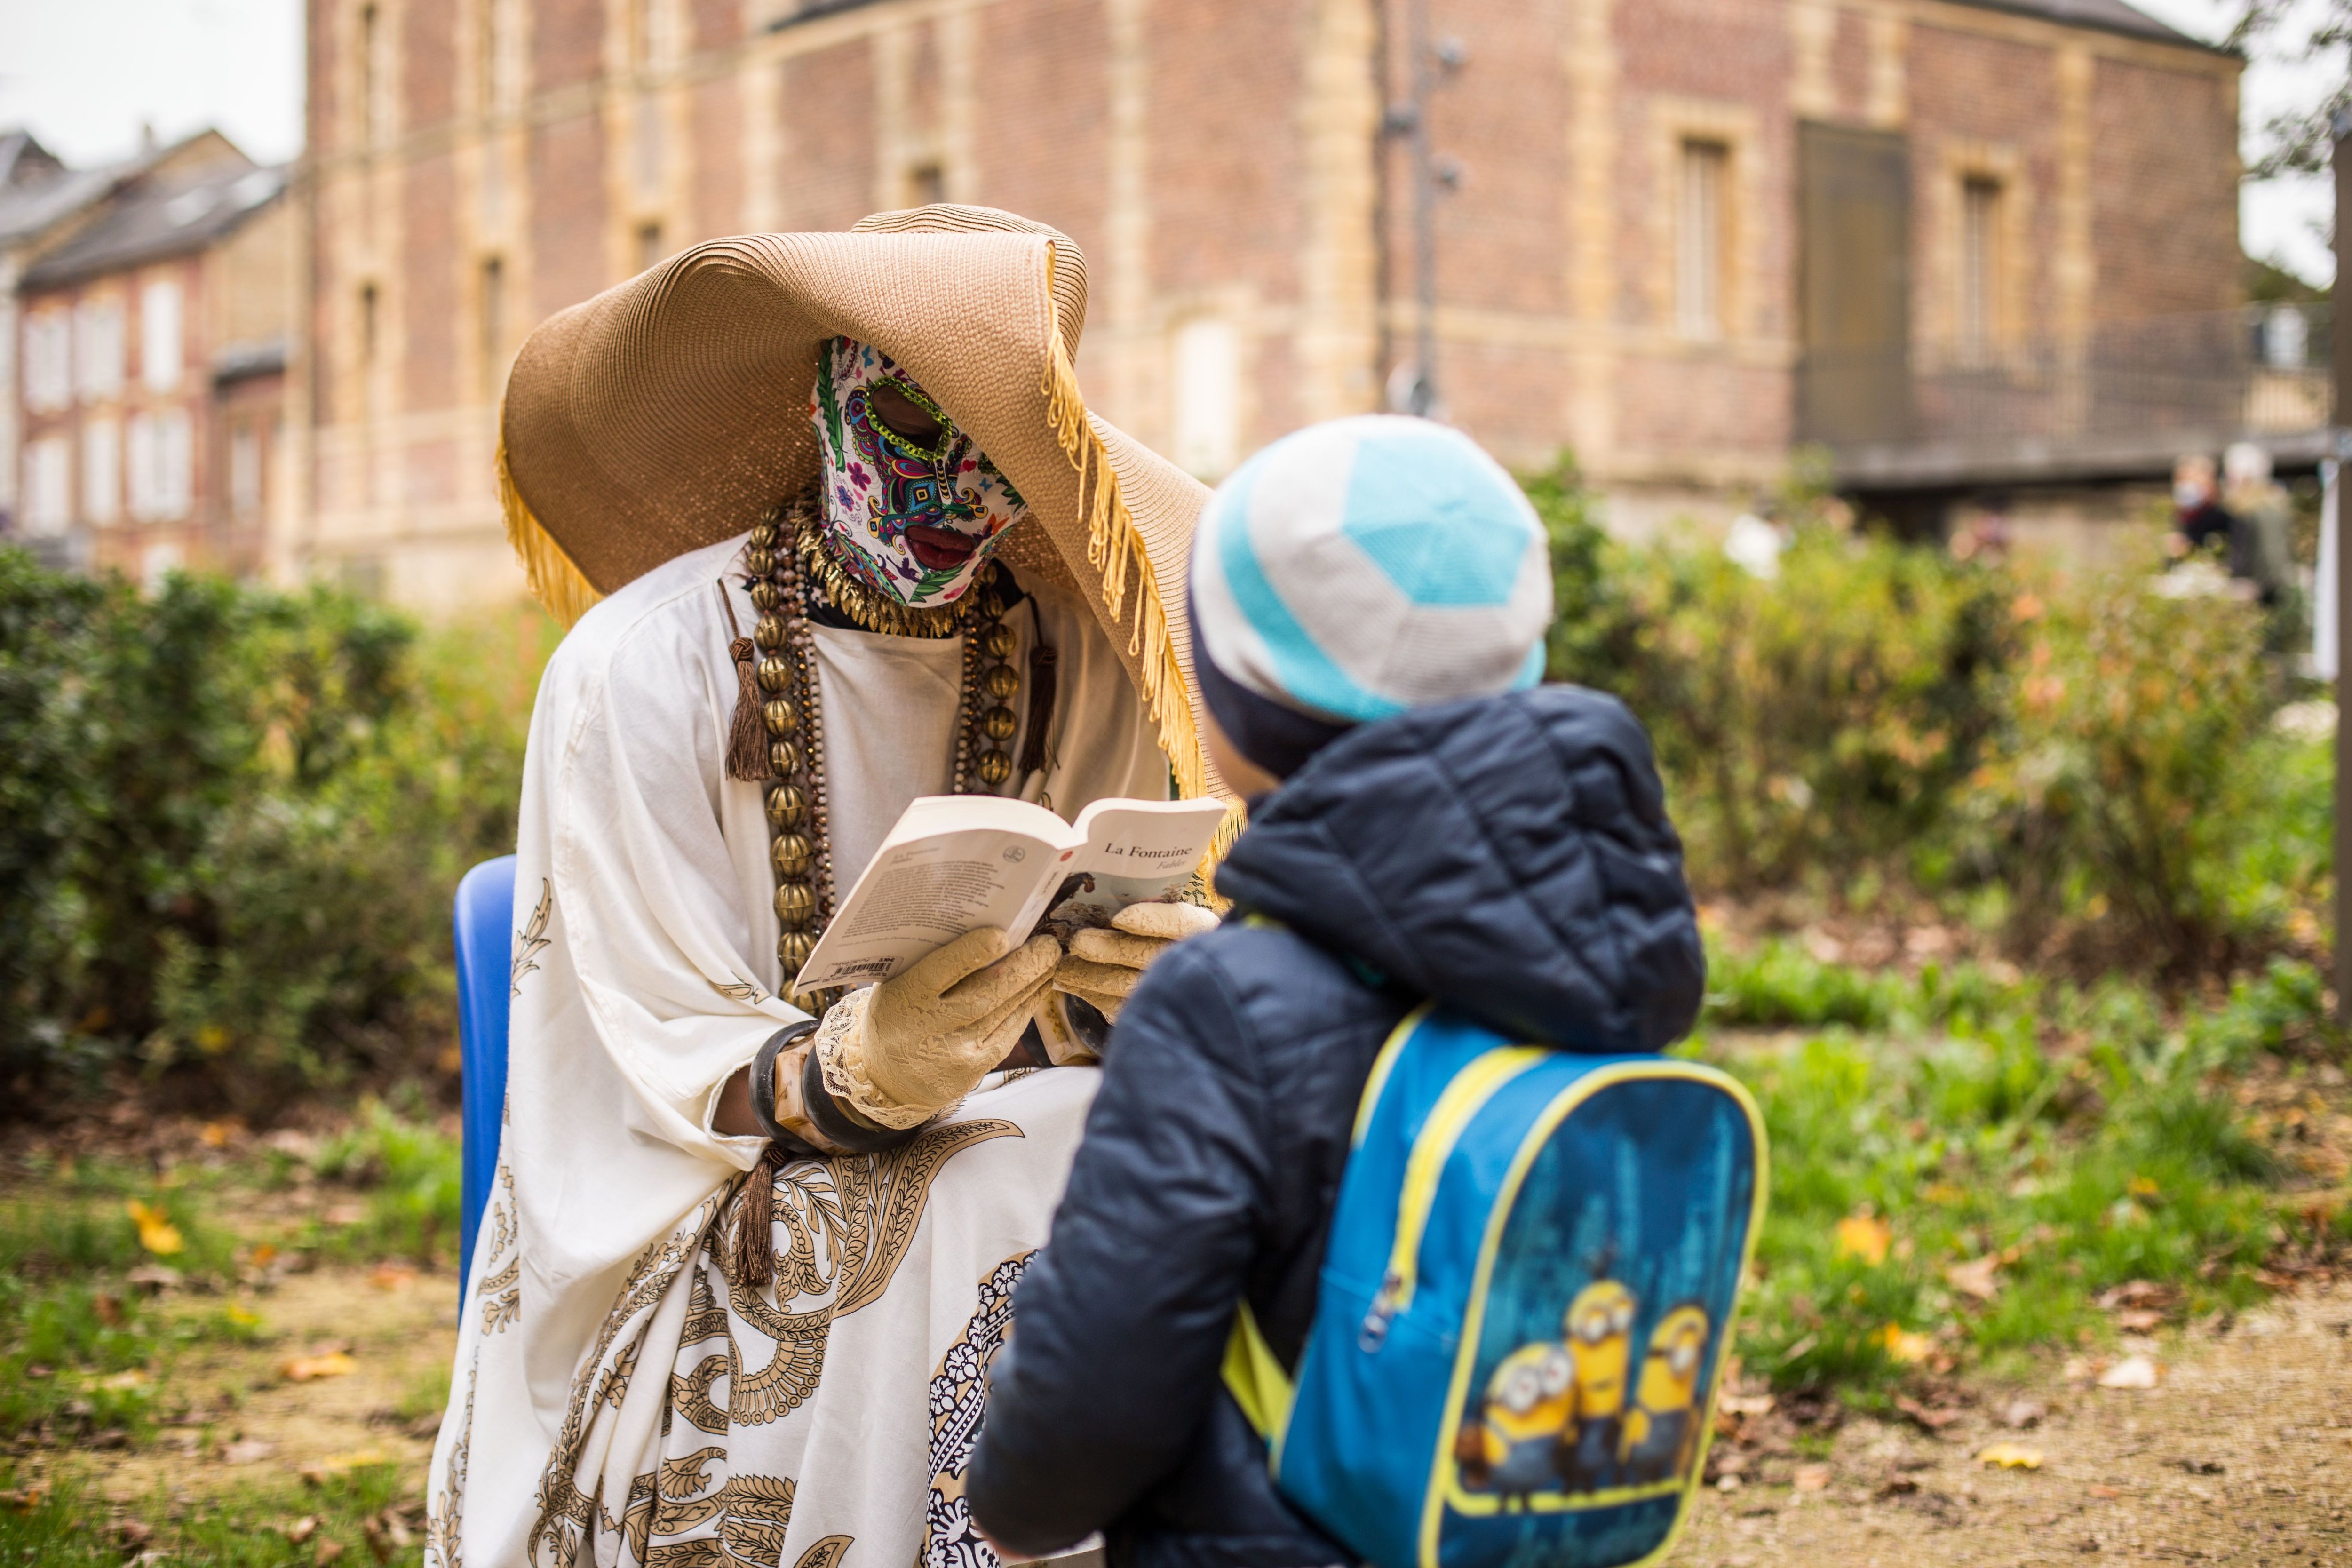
907 521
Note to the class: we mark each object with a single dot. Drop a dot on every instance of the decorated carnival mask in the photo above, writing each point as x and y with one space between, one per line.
910 505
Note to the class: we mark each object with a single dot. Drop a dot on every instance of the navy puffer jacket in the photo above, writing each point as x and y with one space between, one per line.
1511 857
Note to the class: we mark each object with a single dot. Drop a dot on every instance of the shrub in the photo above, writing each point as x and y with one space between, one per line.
2086 765
1811 724
245 811
2135 787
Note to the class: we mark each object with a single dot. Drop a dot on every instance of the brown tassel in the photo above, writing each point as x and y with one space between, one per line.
747 739
1042 659
754 1257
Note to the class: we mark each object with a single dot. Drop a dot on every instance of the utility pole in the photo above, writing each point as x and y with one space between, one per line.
2341 343
1410 120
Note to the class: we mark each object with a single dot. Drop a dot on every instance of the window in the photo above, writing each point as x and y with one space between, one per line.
243 471
926 183
48 487
1698 239
98 349
371 96
48 360
649 244
160 466
1208 388
160 348
499 77
101 471
493 320
1980 312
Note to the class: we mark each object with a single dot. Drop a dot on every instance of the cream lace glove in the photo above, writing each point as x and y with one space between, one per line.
900 1052
1104 966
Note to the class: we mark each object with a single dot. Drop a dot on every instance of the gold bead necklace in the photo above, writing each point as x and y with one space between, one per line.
784 584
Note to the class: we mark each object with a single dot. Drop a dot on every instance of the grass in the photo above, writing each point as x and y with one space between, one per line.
1963 1166
344 1516
91 1250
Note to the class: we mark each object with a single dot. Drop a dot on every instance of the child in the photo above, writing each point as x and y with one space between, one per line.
1369 599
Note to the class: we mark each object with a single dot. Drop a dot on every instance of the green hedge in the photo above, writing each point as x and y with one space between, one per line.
2087 765
230 823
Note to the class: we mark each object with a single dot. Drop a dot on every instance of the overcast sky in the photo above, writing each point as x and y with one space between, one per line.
85 75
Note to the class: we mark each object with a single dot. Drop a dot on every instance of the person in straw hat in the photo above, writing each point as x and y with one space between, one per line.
850 537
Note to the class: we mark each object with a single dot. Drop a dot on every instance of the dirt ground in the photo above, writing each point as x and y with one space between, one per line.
249 1419
2243 1454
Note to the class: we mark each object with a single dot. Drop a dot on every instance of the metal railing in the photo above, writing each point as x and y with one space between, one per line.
2260 370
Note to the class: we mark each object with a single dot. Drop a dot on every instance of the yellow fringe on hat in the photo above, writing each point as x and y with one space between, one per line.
555 581
1115 548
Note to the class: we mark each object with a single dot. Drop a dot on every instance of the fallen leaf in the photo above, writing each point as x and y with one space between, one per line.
133 1532
391 1276
156 1234
122 1382
21 1500
2141 1187
2132 1371
2025 1413
1928 1420
1904 1346
1897 1486
215 1134
2138 1294
263 1256
1863 1236
2139 1319
154 1276
1813 1478
246 1451
1977 1278
305 1368
2010 1457
327 1551
379 1542
241 1317
302 1529
108 1308
1946 1193
1745 1403
324 1471
2202 1467
344 1213
2099 1491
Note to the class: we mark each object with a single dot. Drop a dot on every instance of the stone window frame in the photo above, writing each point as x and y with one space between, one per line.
1737 128
1957 164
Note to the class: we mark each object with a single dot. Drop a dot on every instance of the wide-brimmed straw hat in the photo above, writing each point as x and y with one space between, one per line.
670 412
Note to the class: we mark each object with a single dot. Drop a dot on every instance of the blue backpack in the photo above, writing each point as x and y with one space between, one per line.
1524 1307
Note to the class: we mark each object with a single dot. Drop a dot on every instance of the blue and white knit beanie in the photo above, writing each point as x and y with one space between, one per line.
1358 568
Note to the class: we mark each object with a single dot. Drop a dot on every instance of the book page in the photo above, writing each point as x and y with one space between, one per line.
1136 852
952 865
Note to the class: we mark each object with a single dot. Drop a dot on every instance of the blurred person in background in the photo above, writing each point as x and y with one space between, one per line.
2198 519
2261 520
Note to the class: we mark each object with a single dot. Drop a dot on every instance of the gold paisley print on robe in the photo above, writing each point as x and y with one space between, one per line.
842 1227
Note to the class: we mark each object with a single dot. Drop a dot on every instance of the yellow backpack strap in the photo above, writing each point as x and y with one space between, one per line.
1255 1378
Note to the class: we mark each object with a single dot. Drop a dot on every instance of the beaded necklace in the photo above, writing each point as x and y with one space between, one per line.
790 566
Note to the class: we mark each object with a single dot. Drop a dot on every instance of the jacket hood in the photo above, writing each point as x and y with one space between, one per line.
1510 855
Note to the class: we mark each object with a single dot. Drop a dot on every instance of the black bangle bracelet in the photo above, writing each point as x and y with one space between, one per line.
763 1078
843 1127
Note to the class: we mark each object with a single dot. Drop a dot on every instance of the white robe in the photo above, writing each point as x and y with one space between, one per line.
644 976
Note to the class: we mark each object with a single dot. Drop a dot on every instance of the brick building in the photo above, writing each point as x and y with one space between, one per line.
152 345
1674 235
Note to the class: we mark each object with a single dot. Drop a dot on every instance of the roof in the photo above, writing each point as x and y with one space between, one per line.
168 212
25 162
2107 15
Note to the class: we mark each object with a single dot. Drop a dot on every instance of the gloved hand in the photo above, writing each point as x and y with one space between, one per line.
1104 966
899 1052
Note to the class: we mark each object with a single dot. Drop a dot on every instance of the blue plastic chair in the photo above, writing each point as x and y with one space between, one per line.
485 930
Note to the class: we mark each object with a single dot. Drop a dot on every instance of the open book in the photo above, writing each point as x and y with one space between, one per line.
955 863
